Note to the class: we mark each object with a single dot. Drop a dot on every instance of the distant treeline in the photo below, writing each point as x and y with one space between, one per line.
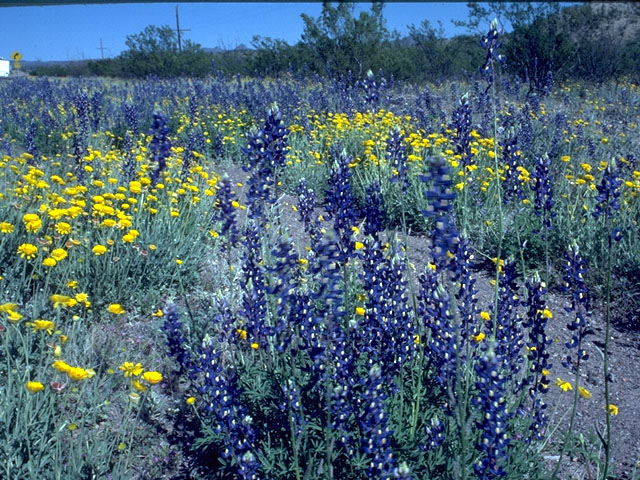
594 42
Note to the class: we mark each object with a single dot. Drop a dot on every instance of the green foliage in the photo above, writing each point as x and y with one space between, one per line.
155 51
544 41
339 42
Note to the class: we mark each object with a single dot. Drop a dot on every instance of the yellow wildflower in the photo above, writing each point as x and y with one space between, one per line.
63 228
138 386
128 238
34 387
99 250
7 307
49 262
43 325
241 333
58 254
135 187
116 309
61 366
479 337
152 377
564 385
32 222
13 316
584 392
60 300
77 373
130 369
28 251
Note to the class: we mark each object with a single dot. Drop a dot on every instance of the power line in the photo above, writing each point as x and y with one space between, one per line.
180 30
102 49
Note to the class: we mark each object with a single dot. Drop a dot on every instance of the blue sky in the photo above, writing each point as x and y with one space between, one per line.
73 32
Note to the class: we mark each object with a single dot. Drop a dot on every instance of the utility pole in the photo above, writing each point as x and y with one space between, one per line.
179 30
101 48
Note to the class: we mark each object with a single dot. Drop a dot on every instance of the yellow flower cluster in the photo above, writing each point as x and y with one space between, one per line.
135 370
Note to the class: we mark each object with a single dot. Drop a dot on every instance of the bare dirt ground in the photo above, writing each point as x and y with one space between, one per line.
624 368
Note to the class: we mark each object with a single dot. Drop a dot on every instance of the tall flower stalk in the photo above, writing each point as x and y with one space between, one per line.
607 198
491 43
574 284
544 204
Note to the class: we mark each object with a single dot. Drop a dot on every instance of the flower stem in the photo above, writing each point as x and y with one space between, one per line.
574 408
607 446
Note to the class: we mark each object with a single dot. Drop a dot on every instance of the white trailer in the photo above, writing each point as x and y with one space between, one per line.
5 68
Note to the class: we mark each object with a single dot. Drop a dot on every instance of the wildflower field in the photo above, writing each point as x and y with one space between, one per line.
316 278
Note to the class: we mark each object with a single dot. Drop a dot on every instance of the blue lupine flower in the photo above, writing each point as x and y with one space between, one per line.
538 355
326 267
525 134
219 387
286 276
96 107
225 212
376 435
509 333
291 405
30 143
608 192
512 159
266 153
387 327
81 102
254 300
491 400
575 271
491 43
440 195
6 146
461 124
160 146
344 397
435 310
303 316
543 190
176 341
371 90
396 154
131 117
466 298
373 212
340 203
222 393
306 209
536 321
435 435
